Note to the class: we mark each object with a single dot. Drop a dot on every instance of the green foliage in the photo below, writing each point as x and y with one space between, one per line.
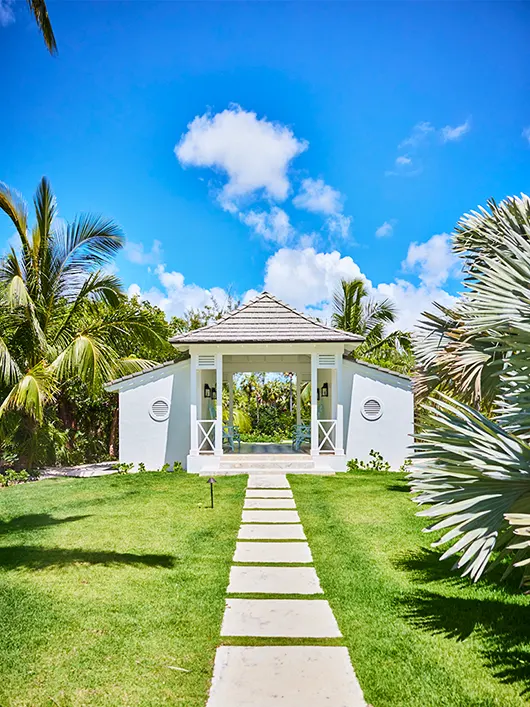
141 468
123 467
66 326
375 463
472 470
9 477
178 468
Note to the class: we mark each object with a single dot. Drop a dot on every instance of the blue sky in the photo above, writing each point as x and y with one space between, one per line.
280 145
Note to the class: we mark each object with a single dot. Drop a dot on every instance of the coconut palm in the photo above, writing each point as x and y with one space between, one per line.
357 313
61 314
474 469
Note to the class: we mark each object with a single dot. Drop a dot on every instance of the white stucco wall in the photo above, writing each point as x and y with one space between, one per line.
392 433
153 442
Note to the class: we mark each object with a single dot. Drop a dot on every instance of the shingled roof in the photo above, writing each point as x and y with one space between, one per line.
265 319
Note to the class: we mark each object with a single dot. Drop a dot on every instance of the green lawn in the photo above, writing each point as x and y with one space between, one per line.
107 585
418 635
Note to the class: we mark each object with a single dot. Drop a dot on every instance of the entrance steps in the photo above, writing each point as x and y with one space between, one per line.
231 464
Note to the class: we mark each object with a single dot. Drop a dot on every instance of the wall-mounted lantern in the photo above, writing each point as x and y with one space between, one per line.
214 393
318 393
325 390
207 391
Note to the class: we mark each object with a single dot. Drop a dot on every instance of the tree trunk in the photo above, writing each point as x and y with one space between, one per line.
113 439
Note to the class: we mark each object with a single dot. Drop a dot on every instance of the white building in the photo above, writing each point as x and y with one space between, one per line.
173 413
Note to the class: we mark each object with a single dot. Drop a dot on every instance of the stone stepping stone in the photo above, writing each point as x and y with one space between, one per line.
267 481
286 676
269 493
269 503
271 532
271 552
270 517
273 580
279 618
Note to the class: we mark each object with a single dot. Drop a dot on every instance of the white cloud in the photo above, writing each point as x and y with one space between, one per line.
433 260
418 135
385 230
318 197
7 16
412 301
449 134
136 253
339 225
177 297
305 278
526 134
403 160
253 153
274 226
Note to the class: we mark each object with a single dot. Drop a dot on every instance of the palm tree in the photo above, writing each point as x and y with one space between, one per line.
61 314
474 469
40 12
356 313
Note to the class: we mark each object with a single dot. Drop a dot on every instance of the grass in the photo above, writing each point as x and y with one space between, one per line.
112 589
418 635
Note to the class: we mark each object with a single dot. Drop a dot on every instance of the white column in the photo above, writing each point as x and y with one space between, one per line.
231 399
219 416
194 438
339 408
314 402
298 409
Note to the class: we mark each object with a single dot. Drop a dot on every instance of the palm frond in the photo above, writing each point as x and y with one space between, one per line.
31 393
14 206
40 12
472 473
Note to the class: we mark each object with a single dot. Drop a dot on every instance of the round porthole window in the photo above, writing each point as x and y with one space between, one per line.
159 409
371 409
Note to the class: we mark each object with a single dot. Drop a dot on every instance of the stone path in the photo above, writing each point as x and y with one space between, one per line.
273 558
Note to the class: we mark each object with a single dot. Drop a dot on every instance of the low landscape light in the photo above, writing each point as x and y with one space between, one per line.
211 481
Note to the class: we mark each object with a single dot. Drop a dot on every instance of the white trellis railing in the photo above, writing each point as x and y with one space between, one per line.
327 435
206 436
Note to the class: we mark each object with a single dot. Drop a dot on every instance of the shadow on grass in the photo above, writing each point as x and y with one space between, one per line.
34 521
399 487
427 567
37 557
503 627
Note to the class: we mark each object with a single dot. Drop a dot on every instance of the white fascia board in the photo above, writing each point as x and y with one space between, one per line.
145 377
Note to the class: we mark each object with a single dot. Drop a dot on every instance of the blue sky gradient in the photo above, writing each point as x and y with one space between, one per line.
352 80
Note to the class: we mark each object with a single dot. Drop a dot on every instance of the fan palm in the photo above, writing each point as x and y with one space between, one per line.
61 314
476 470
357 313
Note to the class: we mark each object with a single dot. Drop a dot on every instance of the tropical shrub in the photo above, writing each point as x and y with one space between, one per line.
473 470
375 463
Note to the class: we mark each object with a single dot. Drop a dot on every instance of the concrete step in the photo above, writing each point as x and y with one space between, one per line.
267 465
327 471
